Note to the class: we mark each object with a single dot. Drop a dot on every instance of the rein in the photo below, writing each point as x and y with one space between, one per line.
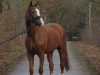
34 20
21 33
24 31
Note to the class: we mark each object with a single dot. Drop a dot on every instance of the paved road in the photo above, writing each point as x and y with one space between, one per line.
76 67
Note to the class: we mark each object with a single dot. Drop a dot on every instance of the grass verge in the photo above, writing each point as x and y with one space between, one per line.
10 55
81 59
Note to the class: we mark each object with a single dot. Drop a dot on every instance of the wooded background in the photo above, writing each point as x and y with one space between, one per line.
80 18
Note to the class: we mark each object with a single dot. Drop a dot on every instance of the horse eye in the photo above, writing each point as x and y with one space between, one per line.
33 11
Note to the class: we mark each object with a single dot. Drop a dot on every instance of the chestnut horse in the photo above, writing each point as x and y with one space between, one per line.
42 40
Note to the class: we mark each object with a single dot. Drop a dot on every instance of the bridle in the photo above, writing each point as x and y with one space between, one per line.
35 20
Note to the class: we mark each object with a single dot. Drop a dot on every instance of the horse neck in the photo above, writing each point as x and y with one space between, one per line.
28 27
32 30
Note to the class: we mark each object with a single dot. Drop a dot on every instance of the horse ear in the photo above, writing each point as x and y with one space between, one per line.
31 3
36 5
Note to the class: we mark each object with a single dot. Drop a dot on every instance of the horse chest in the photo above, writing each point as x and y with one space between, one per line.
40 42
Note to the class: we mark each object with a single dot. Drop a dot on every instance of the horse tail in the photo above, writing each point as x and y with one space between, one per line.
67 67
66 62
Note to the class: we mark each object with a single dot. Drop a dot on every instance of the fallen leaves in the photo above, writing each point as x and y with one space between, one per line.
91 53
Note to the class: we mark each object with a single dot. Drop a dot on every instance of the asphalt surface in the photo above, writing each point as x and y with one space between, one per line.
76 68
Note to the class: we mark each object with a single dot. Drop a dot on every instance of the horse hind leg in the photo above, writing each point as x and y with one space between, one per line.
62 60
50 60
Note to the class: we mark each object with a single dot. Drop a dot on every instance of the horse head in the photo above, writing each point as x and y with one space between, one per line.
33 15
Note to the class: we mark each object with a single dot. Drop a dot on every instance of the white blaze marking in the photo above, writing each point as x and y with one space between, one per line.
38 14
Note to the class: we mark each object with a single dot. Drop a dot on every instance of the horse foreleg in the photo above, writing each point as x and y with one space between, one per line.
50 60
31 62
41 56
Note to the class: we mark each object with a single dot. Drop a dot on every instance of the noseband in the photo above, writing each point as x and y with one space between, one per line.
35 20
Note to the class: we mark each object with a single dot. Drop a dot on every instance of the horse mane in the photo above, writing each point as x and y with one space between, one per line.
27 17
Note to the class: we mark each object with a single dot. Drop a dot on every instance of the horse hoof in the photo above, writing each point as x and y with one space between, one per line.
67 68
